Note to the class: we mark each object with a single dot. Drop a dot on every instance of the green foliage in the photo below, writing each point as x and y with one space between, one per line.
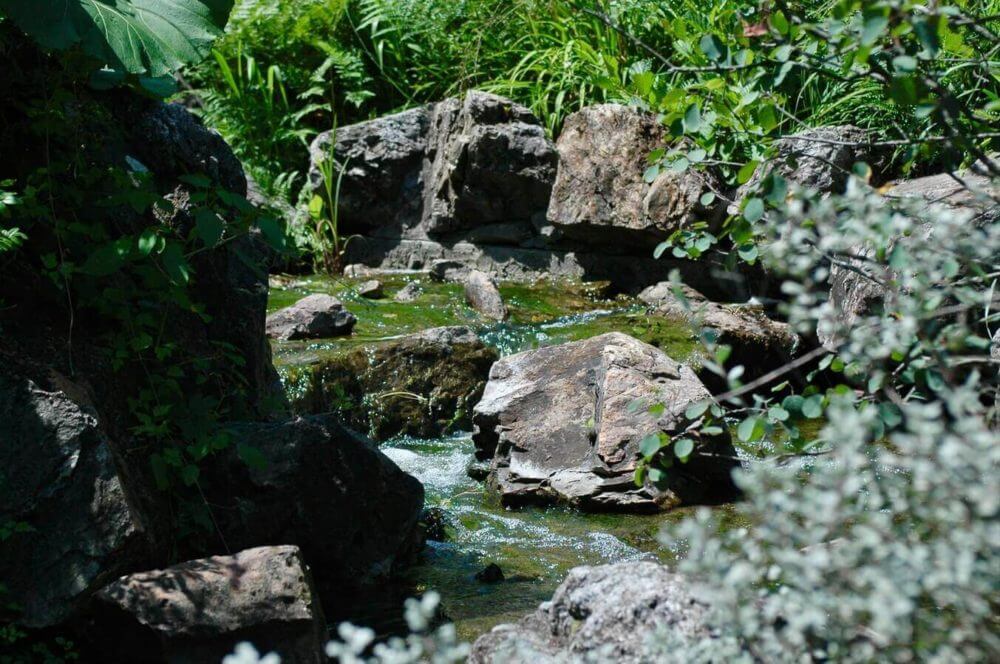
324 212
151 37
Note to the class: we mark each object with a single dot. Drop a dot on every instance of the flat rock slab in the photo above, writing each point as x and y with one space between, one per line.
605 613
564 424
198 610
313 317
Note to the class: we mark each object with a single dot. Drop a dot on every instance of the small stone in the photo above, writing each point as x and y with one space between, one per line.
490 574
371 289
435 523
409 293
482 294
313 317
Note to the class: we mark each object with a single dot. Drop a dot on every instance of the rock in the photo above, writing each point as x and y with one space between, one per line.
198 610
819 159
409 293
490 574
315 316
382 188
434 521
174 142
232 279
564 423
604 613
978 196
478 470
853 295
627 273
420 385
482 294
371 289
449 270
600 195
316 484
489 162
59 482
437 169
758 343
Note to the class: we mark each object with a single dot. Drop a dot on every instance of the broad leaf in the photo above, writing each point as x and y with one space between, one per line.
152 37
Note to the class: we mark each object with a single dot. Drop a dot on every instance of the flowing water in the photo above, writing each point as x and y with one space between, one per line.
535 547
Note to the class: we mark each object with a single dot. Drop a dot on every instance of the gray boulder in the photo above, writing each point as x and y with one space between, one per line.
853 295
72 529
482 294
421 385
316 484
452 166
758 343
606 613
564 423
313 317
489 163
819 159
198 610
600 196
449 270
382 188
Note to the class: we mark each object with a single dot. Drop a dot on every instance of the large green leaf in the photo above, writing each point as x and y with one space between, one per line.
151 37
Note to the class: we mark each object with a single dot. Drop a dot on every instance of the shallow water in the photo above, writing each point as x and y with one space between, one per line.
535 547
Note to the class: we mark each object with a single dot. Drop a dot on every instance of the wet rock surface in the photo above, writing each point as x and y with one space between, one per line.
371 289
561 424
602 613
313 317
198 610
423 384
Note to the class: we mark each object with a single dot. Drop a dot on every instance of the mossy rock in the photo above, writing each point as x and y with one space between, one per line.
422 385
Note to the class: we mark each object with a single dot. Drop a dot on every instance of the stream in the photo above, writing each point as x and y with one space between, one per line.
535 547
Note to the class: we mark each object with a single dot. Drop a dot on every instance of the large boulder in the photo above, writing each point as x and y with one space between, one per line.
819 158
564 423
198 610
315 316
422 385
489 163
478 161
758 343
606 613
59 495
313 483
482 294
600 196
852 294
382 187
